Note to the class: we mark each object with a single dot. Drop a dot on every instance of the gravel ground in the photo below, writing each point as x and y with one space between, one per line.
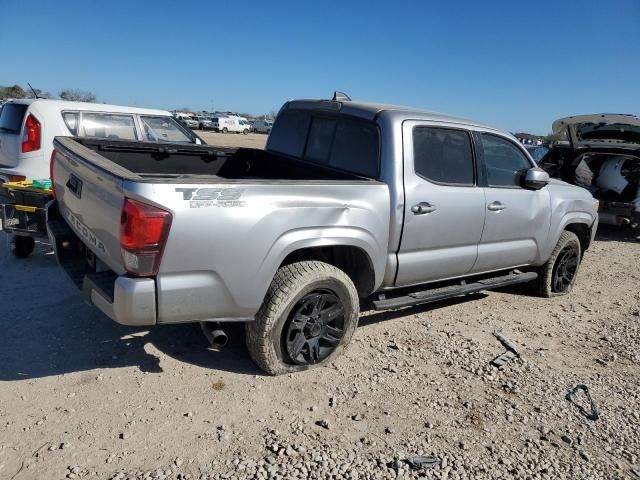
82 397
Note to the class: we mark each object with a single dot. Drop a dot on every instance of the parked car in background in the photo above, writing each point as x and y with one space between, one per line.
261 126
204 123
187 121
233 124
537 152
349 201
600 152
28 126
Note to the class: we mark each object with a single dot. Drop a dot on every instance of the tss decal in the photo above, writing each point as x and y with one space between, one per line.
212 197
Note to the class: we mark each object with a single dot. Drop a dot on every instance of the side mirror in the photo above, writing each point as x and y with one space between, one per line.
536 178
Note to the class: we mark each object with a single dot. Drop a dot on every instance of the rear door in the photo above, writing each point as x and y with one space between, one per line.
517 220
444 207
11 121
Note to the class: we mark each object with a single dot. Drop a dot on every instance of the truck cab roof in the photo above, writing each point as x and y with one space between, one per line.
370 111
101 107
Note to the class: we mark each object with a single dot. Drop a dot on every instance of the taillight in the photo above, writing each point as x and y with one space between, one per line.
31 135
143 233
53 187
17 178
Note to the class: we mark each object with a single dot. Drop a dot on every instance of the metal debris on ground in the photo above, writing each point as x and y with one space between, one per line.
571 397
508 356
508 344
420 462
501 360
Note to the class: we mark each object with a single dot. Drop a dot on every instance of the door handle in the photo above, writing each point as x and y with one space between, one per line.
422 208
496 206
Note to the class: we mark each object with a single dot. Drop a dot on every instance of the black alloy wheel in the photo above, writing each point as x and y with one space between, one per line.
315 327
565 269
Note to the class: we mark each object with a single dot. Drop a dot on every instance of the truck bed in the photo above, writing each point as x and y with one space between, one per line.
144 161
235 215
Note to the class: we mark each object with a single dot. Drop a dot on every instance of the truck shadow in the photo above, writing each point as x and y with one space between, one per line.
49 330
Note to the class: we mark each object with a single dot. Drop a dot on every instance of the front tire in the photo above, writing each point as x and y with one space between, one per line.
224 130
309 315
558 275
245 131
21 246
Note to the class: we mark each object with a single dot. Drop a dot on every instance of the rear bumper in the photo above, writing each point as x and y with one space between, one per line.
169 298
126 300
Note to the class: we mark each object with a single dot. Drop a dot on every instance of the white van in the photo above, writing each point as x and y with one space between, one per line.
231 124
261 126
28 126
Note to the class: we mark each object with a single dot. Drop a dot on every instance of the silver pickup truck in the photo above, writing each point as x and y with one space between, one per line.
350 202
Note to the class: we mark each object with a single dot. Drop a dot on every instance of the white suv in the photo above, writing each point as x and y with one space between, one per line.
28 126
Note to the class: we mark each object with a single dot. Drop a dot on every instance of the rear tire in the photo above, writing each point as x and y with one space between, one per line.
224 130
21 246
558 275
309 315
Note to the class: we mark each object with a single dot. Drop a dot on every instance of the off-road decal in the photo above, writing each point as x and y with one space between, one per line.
212 197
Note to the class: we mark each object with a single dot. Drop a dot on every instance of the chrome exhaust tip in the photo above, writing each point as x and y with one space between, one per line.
216 337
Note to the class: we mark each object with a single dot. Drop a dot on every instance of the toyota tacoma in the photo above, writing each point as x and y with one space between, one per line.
350 203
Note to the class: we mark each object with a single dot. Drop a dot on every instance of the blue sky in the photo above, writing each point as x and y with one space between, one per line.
517 65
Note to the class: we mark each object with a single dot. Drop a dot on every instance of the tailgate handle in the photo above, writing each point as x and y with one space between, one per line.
74 184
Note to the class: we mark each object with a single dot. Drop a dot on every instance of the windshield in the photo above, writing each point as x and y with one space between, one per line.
608 131
164 129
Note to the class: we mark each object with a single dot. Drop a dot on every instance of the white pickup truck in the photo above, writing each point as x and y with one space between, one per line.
349 202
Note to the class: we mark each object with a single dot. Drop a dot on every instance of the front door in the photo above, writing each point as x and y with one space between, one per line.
517 220
444 208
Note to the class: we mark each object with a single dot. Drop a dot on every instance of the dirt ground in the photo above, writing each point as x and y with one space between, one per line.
83 397
254 140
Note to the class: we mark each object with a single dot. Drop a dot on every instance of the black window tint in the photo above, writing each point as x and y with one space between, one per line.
11 116
355 148
290 133
320 139
443 155
505 163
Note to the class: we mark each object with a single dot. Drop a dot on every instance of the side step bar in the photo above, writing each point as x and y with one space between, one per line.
443 293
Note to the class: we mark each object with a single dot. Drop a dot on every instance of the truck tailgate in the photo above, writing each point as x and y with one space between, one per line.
90 198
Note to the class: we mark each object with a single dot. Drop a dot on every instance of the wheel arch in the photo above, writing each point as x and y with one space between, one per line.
352 260
579 223
582 231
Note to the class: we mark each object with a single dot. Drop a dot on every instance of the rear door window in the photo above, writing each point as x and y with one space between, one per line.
443 155
11 117
71 120
108 125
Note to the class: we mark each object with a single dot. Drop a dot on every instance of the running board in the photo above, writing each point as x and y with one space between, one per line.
443 293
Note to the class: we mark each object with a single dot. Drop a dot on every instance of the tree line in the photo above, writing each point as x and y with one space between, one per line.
71 94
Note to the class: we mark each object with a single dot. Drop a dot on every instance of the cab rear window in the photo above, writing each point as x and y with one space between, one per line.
339 141
11 116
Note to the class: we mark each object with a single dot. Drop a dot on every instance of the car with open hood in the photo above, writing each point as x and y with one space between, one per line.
600 152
